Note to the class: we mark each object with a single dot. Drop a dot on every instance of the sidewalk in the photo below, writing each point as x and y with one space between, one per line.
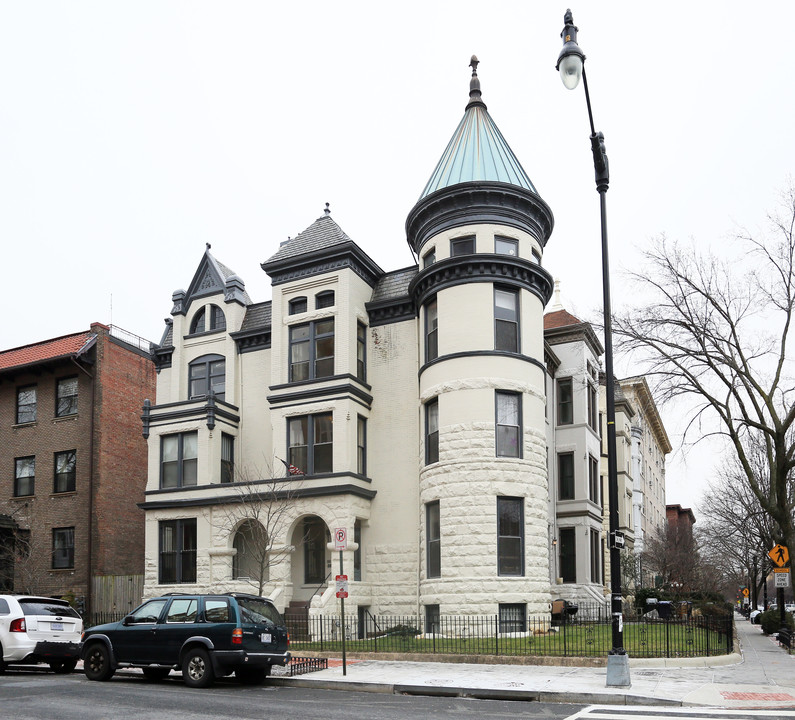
762 676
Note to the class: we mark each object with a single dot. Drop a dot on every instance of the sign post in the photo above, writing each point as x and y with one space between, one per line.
779 554
341 543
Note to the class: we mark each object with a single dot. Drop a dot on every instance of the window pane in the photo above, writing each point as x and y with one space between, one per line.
568 555
298 430
565 402
324 300
507 409
323 428
462 246
324 327
323 459
566 476
170 447
189 472
190 444
504 246
505 304
507 441
26 405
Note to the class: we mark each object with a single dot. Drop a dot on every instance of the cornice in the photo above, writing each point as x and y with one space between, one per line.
478 202
501 269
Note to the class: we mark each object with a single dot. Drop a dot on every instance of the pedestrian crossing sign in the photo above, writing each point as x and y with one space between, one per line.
779 555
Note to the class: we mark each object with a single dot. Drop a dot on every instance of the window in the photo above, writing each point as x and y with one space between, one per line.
566 476
361 352
433 540
65 471
312 350
227 458
513 617
508 424
310 443
182 610
510 536
361 445
431 331
251 559
568 555
593 479
297 305
432 432
593 409
462 246
24 476
148 613
63 548
506 320
596 557
506 246
207 375
536 257
324 299
178 459
429 258
316 535
26 404
209 318
66 397
432 619
216 610
177 551
565 402
357 554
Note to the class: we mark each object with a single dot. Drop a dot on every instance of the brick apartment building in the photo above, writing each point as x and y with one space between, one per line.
75 466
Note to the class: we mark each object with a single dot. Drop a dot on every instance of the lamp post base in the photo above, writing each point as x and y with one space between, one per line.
618 671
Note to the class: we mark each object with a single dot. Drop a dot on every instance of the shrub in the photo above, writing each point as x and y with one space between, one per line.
771 621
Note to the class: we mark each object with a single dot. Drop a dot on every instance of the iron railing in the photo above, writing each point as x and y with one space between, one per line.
588 635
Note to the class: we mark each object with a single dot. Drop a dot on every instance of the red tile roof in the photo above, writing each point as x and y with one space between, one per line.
43 351
560 318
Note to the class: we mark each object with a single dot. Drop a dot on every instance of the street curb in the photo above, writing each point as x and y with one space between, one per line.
548 696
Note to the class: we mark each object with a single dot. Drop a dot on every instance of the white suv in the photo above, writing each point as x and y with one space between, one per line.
39 630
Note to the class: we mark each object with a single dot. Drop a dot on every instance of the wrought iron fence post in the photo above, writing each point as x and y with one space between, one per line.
496 634
563 625
667 637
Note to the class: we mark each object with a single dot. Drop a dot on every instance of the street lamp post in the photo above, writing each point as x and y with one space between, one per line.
571 64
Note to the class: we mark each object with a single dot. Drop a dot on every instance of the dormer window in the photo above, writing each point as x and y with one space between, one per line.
324 299
429 258
297 305
207 374
209 318
462 246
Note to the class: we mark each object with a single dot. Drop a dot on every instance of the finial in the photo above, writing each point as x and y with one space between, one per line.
327 211
557 305
208 245
474 84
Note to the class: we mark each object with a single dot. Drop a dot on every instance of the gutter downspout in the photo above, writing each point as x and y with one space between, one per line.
90 548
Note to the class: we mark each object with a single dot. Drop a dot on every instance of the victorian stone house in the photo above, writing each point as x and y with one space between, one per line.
417 409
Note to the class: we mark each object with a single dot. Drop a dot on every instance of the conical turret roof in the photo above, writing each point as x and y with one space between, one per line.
477 152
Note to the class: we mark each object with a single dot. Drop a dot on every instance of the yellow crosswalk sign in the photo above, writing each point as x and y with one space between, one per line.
779 555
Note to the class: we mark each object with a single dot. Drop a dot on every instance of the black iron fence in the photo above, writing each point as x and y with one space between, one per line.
584 634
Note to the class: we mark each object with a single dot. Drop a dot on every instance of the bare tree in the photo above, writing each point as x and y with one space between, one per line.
257 513
672 553
719 333
736 531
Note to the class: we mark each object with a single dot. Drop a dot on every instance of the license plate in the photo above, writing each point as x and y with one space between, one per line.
265 637
56 626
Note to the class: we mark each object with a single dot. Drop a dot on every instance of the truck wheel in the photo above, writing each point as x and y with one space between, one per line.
96 664
197 671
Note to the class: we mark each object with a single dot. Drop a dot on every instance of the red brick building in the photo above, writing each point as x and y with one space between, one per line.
679 518
75 466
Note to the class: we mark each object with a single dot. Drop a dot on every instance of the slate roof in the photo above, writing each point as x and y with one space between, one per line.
394 284
320 235
47 350
257 316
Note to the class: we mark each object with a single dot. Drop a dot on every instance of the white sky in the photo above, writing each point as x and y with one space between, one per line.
132 133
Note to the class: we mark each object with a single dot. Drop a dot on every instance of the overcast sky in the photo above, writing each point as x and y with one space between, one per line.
132 133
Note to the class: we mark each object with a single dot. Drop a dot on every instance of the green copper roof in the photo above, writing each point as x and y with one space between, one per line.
477 152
